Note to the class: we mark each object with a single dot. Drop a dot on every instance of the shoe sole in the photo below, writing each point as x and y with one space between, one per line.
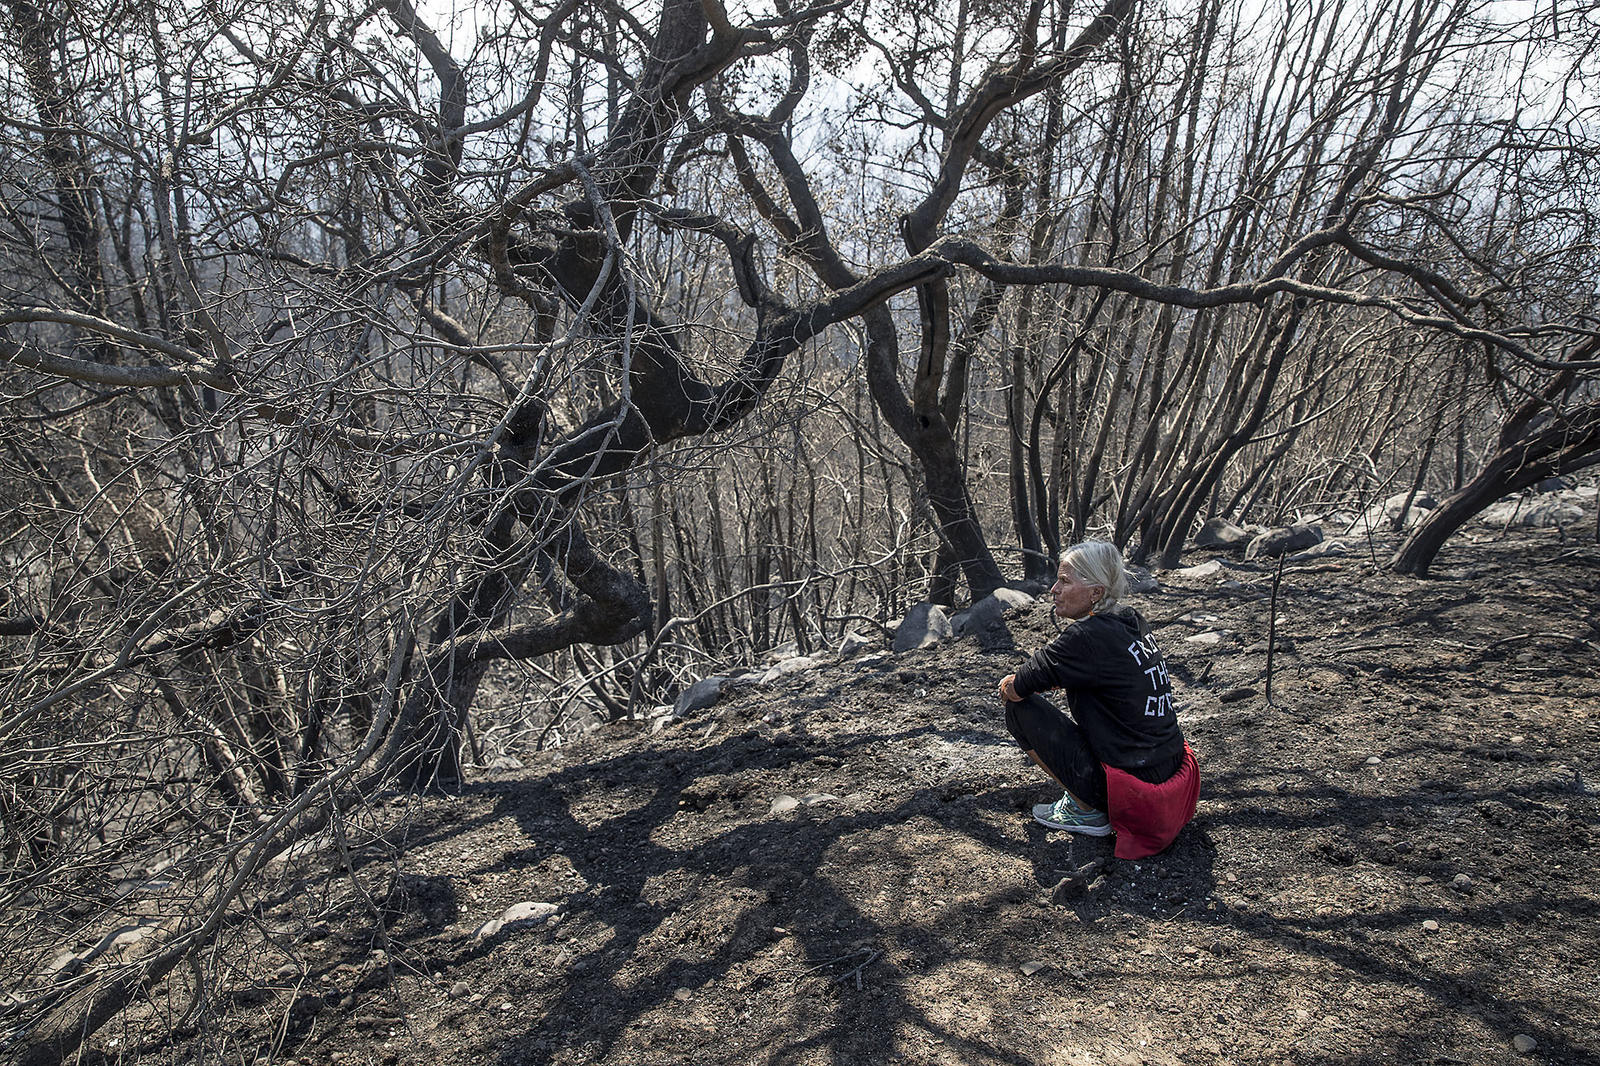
1086 830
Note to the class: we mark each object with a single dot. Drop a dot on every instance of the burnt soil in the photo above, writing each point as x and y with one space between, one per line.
1393 861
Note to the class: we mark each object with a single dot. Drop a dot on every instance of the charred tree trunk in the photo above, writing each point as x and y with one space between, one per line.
1568 444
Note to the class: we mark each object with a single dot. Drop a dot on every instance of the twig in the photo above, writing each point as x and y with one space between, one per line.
872 955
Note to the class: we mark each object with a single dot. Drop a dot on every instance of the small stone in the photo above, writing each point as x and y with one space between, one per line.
1523 1044
528 912
1210 636
460 990
851 643
1031 968
811 799
1374 760
1461 881
682 995
1430 926
784 804
506 1007
1383 838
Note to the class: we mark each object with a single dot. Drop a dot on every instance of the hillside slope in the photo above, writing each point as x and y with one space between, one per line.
1392 864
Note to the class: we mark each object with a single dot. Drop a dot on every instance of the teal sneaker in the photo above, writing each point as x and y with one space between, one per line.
1065 813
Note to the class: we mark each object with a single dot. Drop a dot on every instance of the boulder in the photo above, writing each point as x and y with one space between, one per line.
700 695
1221 534
1282 541
1381 516
1532 514
1556 484
1014 599
989 612
926 625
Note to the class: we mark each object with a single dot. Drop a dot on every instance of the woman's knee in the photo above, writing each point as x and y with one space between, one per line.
1029 719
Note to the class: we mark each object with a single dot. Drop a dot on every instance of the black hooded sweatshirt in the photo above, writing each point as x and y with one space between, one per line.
1116 684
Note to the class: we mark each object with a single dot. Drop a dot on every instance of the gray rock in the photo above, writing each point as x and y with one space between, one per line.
1556 484
783 805
787 650
1327 548
1031 968
989 613
131 936
65 964
1223 534
460 990
785 667
530 912
1276 542
700 695
1141 580
1014 599
1194 573
1381 516
851 643
1532 514
926 625
811 799
505 762
1524 1044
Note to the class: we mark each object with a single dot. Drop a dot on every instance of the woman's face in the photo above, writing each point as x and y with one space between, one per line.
1074 599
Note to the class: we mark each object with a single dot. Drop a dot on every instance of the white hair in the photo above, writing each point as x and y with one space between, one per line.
1098 562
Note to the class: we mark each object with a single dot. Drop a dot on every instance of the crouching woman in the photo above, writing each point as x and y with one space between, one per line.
1120 756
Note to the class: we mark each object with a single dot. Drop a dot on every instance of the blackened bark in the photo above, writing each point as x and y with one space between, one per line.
1569 443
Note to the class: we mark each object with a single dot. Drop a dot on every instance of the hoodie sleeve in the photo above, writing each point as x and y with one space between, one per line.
1068 661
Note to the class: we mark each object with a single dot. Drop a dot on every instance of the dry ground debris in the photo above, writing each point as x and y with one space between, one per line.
1392 863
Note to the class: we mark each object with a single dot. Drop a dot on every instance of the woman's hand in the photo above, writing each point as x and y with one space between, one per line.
1008 689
